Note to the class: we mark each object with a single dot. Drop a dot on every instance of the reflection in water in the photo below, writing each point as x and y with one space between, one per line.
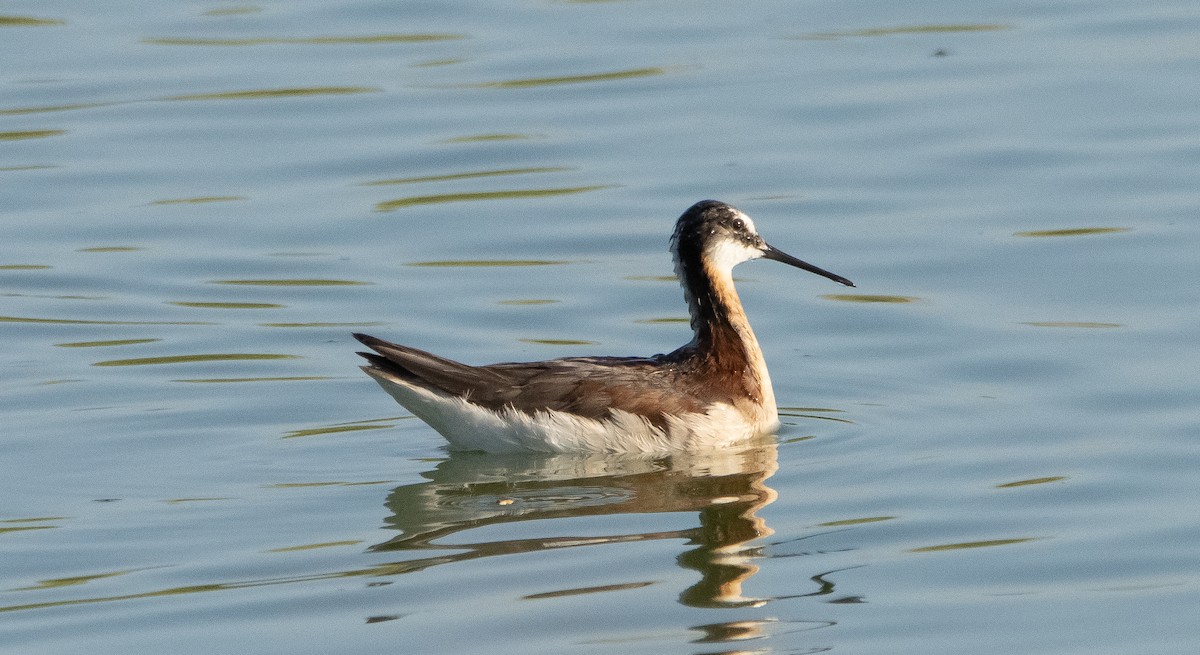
470 490
755 629
474 490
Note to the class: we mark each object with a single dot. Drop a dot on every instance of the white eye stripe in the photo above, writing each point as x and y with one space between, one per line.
746 222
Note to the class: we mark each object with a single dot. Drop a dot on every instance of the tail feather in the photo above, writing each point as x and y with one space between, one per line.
426 369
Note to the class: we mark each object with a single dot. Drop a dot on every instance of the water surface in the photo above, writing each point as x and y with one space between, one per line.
988 446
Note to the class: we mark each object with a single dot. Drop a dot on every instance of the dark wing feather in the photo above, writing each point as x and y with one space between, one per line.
591 386
585 386
427 369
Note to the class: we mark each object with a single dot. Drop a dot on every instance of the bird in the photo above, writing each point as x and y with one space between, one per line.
711 393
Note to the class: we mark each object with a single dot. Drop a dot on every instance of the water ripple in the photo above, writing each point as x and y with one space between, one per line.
467 176
484 263
198 200
77 321
335 429
908 29
18 111
529 82
289 92
188 359
29 21
1032 481
312 40
1072 232
1072 324
21 135
411 201
292 378
967 545
869 298
301 282
229 305
105 344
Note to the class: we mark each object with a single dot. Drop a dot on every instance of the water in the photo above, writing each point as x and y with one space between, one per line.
989 445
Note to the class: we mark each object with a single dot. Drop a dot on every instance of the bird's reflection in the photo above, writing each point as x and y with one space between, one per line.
468 491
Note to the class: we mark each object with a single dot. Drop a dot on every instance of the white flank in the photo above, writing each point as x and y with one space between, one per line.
468 426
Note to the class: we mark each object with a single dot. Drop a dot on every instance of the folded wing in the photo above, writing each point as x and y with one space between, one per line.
584 386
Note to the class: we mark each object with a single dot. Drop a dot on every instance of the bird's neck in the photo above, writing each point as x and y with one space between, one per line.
722 334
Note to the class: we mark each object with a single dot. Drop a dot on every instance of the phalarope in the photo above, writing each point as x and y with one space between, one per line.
712 392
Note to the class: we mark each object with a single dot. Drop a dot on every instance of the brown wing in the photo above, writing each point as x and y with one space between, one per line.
585 386
591 386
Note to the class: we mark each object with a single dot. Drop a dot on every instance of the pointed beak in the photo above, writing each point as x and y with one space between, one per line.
771 252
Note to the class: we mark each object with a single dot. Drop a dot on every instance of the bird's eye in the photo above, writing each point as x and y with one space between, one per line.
739 224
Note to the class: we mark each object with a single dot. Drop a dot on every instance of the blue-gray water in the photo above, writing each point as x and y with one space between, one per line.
989 446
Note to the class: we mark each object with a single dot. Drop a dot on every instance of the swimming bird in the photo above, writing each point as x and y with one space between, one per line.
712 392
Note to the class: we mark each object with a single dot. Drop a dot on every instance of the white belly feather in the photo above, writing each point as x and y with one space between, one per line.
471 427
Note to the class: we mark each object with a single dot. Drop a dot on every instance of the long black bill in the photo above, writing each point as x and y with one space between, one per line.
771 252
